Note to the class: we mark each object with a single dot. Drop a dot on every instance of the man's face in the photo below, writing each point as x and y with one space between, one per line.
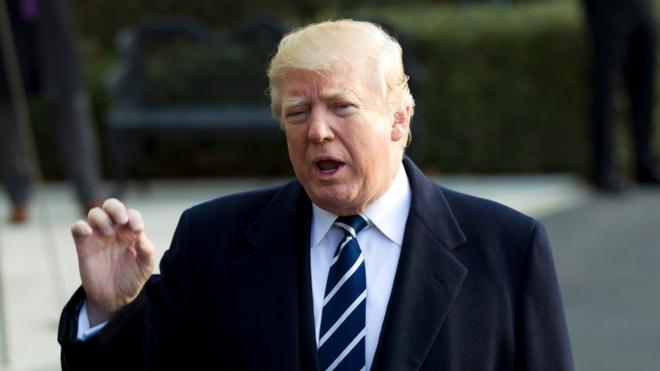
344 143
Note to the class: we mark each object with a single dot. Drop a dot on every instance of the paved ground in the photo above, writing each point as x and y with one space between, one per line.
606 250
608 257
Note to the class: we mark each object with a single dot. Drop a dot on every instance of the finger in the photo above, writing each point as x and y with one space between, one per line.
145 250
135 221
80 230
100 220
116 210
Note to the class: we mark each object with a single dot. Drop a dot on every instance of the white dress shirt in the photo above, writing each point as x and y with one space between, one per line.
85 330
381 246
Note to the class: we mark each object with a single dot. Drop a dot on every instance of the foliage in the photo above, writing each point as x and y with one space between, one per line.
503 88
506 88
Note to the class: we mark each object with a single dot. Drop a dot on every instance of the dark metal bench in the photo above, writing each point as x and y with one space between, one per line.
148 105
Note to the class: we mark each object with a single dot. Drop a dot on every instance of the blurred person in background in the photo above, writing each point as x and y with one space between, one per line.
623 41
46 48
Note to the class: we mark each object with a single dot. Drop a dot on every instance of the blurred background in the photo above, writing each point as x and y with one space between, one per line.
177 109
501 84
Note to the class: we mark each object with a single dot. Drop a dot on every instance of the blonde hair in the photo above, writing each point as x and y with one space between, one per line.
328 45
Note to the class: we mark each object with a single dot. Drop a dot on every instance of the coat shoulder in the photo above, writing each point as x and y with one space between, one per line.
238 209
473 210
493 229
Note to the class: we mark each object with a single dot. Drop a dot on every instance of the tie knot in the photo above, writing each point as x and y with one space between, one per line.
352 224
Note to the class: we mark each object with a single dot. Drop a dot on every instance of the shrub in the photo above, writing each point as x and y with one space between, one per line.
505 87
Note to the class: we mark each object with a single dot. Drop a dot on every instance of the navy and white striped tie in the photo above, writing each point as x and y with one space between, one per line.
341 338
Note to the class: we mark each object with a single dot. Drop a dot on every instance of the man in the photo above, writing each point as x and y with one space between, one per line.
46 49
361 263
624 43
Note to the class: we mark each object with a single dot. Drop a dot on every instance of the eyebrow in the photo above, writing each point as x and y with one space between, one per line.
293 102
338 94
329 95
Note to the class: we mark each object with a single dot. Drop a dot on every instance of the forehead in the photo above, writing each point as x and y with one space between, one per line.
359 80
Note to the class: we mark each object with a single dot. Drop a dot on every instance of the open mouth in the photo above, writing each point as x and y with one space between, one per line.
328 166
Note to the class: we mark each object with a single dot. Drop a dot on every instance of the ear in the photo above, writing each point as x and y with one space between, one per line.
401 124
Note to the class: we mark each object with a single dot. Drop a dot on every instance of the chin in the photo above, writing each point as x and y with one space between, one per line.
335 200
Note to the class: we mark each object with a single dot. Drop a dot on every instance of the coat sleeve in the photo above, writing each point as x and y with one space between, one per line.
542 333
144 335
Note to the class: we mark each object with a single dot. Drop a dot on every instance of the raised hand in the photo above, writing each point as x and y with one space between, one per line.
115 258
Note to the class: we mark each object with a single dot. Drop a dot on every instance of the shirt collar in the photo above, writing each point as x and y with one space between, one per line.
388 212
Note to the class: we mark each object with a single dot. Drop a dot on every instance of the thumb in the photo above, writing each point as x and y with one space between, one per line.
80 231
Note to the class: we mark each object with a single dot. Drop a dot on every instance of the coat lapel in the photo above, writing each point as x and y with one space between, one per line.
428 278
272 286
274 294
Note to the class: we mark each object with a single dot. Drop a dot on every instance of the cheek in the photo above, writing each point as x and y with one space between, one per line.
370 146
294 142
295 157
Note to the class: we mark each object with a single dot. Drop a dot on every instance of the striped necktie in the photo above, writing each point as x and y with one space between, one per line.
341 338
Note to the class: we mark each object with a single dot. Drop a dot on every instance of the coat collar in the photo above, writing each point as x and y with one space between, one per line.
274 291
427 281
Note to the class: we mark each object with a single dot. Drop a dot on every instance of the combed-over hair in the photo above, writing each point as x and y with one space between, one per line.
328 45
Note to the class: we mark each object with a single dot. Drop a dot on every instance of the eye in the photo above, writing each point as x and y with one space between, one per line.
295 116
344 108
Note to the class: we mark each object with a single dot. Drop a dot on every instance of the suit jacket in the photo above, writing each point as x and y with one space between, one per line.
475 289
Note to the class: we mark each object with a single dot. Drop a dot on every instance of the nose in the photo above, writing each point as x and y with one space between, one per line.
320 129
